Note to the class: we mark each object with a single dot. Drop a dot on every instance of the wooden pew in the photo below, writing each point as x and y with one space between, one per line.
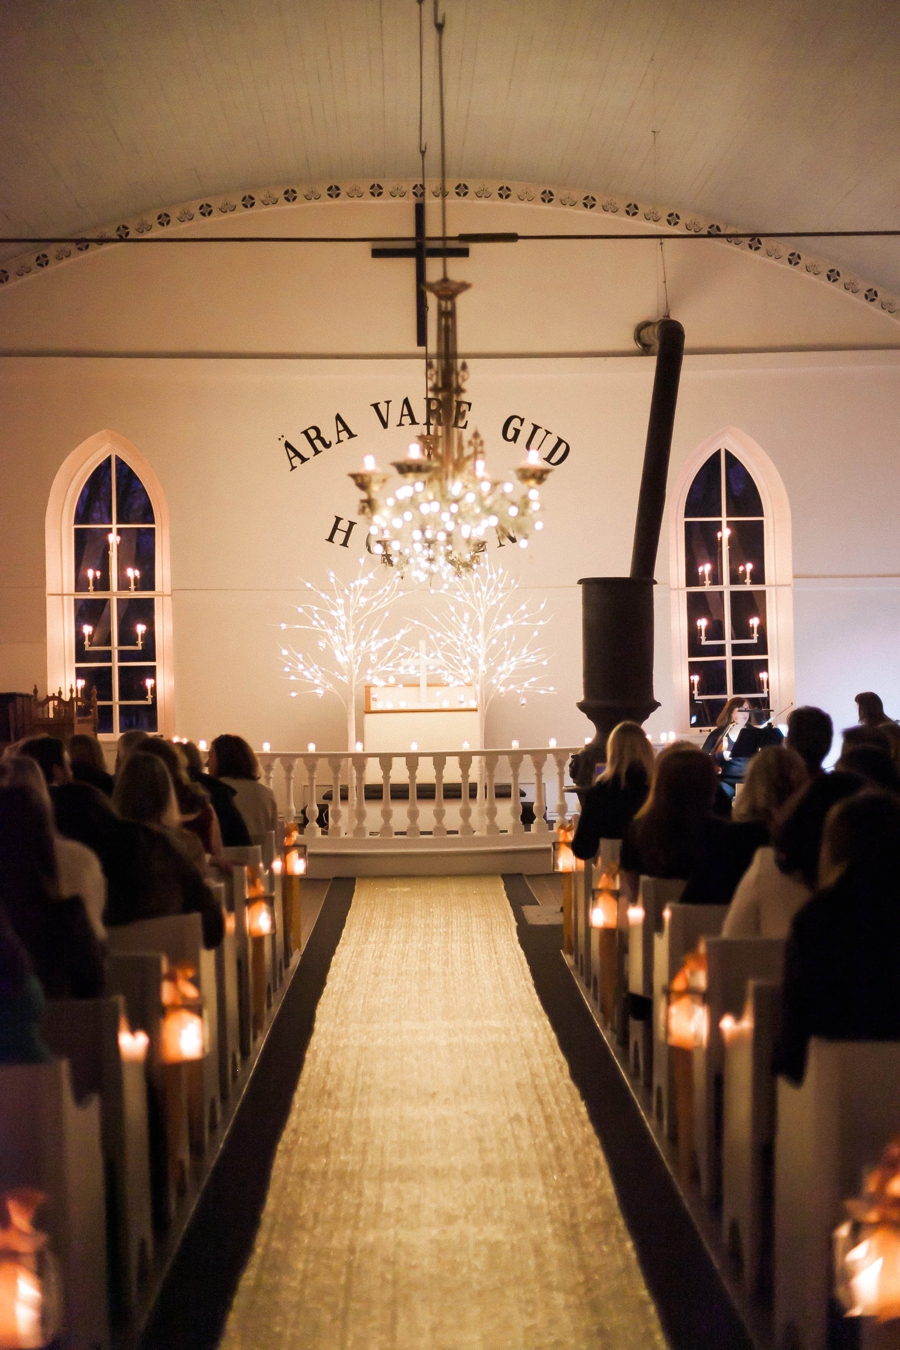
180 938
86 1033
604 965
53 1144
645 921
680 929
254 964
748 1137
829 1130
138 977
731 964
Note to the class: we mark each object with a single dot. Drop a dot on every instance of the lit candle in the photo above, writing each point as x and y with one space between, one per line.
465 745
277 866
414 745
140 629
701 624
359 746
133 575
552 742
515 745
90 576
747 570
414 452
764 681
133 1044
695 684
148 685
201 745
368 463
87 630
311 746
704 572
79 685
267 746
479 468
754 629
533 456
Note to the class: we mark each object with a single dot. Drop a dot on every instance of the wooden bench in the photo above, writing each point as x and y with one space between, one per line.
829 1130
730 963
53 1144
86 1033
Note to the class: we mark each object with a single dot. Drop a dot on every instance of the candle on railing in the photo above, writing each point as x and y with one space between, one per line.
149 685
87 629
133 575
91 573
359 746
311 746
704 572
414 745
465 745
552 742
695 685
701 624
267 746
201 745
515 745
140 629
754 628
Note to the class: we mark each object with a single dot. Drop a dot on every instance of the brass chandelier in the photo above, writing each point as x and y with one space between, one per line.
433 517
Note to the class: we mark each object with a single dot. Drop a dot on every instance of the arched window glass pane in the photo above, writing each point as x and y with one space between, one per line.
705 496
741 493
115 606
132 503
726 598
95 503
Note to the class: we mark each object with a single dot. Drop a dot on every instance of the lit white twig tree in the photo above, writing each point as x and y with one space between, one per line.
482 641
347 623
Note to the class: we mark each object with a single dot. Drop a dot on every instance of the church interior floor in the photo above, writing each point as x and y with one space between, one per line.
438 1184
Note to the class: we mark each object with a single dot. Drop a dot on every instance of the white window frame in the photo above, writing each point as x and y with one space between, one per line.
60 563
779 567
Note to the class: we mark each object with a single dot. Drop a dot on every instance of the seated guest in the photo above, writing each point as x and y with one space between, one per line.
231 823
734 741
168 880
773 777
50 755
621 790
810 733
843 953
873 762
79 871
22 1002
784 874
870 709
676 834
88 764
55 931
197 815
128 741
233 762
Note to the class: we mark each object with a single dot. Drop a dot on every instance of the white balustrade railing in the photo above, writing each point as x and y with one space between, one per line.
466 792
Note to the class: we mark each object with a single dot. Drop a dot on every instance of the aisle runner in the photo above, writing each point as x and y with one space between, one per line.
438 1185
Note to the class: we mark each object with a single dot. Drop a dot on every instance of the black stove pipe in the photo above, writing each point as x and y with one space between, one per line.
617 612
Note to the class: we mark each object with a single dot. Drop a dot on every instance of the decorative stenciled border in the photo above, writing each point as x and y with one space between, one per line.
666 223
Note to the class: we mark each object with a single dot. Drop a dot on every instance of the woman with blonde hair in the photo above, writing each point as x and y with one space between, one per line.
620 791
773 777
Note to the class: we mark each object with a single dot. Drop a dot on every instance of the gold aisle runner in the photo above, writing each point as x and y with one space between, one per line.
438 1185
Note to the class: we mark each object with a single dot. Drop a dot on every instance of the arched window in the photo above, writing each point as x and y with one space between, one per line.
732 586
109 617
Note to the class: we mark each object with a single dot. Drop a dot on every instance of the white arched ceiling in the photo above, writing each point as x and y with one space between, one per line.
768 115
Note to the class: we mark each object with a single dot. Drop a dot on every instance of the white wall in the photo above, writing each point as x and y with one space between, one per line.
246 532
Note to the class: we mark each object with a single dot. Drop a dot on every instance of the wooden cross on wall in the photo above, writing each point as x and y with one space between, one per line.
420 250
